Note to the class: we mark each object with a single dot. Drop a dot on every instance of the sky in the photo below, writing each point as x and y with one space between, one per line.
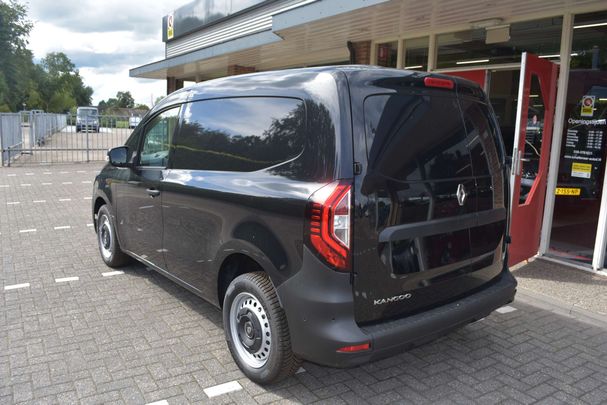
104 39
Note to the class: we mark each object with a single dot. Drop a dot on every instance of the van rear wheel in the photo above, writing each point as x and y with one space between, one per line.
256 329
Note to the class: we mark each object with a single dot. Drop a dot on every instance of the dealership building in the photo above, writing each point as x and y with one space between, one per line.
543 64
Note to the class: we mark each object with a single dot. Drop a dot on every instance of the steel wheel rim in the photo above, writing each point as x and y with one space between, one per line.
248 321
105 237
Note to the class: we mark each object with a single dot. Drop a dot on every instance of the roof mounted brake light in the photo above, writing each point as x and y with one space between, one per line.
440 83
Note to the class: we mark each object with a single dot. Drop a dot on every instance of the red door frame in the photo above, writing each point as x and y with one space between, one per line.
526 218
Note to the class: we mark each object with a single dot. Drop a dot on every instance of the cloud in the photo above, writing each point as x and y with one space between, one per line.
104 39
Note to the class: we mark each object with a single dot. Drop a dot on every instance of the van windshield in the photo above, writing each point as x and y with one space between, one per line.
87 112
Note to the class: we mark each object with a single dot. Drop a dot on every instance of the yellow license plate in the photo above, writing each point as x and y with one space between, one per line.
568 191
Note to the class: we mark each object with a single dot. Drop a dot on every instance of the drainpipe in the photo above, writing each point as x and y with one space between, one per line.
352 52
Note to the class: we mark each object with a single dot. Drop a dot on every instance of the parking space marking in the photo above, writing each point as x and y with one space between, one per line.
47 184
16 286
11 175
505 309
67 182
39 201
26 185
47 173
63 172
62 227
13 203
66 279
89 225
65 199
28 230
222 389
4 186
80 171
87 182
29 174
163 402
88 198
112 273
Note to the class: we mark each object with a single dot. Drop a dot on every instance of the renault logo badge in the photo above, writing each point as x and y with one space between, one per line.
461 195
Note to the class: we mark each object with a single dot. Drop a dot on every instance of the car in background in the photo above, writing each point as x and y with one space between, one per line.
134 121
87 119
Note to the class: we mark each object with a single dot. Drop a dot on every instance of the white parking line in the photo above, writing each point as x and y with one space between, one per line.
39 201
87 182
28 230
80 171
506 309
47 173
4 186
47 184
63 172
88 198
11 175
112 273
67 182
65 199
29 174
16 286
13 203
89 225
66 279
163 402
26 185
222 389
62 227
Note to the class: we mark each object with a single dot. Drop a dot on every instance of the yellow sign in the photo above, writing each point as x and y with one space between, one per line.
568 191
170 26
587 106
582 170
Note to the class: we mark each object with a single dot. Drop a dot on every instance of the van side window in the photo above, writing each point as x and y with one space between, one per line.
239 134
157 138
415 137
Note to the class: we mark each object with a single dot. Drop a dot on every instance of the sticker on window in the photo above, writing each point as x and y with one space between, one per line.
568 191
582 170
587 106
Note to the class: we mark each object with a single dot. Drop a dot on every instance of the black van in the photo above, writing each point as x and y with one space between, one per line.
335 214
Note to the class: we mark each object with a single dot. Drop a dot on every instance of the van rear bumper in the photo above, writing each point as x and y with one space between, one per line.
320 311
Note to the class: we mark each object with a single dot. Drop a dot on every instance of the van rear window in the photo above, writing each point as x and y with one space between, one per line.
416 137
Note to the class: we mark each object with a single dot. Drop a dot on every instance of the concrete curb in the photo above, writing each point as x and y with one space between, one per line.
559 307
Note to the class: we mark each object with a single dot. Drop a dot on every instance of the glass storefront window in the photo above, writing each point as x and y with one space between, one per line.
583 153
416 53
387 54
469 48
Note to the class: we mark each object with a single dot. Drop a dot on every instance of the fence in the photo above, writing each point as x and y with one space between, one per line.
10 134
60 138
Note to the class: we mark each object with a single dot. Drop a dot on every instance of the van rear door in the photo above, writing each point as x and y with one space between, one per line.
430 217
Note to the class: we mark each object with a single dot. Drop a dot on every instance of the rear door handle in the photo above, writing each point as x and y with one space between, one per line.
153 192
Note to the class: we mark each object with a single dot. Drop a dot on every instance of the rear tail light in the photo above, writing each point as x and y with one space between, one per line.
329 224
440 83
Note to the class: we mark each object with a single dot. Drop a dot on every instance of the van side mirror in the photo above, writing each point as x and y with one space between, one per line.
119 156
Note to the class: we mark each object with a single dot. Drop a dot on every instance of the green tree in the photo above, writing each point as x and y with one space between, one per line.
125 99
63 82
142 107
15 59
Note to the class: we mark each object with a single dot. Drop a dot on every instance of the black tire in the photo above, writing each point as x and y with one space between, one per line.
109 247
280 361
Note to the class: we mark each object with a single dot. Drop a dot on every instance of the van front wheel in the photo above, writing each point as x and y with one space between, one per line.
256 329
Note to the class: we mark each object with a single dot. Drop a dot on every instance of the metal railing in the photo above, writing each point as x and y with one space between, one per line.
10 134
62 138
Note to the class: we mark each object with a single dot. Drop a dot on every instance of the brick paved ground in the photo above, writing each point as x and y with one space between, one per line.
138 338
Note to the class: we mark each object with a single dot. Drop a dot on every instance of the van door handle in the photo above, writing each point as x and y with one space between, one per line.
153 192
